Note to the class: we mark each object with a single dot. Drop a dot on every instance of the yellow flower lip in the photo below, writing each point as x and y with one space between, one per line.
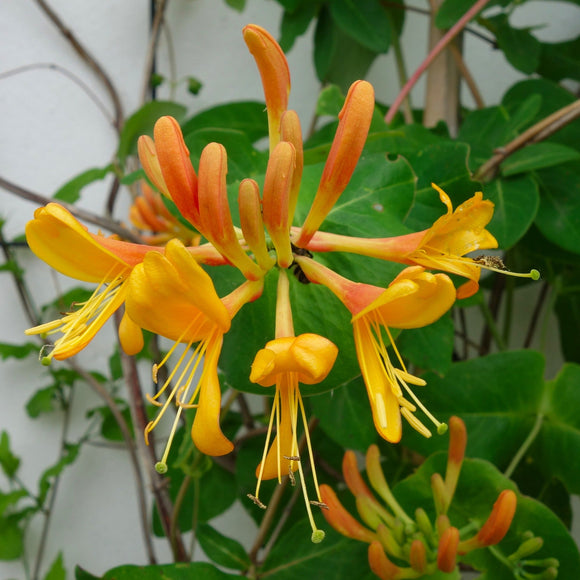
311 356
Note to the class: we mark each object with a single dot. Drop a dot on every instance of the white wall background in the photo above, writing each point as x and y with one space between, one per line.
50 131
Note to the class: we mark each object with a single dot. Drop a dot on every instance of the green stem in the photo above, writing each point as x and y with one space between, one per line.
487 315
437 49
525 445
401 73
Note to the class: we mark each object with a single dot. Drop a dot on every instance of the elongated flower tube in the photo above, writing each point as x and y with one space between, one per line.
277 186
441 247
173 296
57 238
166 162
215 217
285 362
414 299
355 120
275 75
292 133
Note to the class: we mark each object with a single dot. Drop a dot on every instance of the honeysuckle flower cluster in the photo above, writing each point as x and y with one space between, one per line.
166 290
403 547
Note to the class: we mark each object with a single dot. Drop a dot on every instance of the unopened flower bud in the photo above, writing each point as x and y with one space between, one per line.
447 551
418 556
423 522
457 444
440 497
380 563
389 542
527 548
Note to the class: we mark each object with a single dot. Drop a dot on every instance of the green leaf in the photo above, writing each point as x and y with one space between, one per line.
70 453
538 156
197 570
17 351
194 85
295 556
11 536
516 205
558 217
141 123
330 101
42 401
365 21
10 499
237 5
222 550
8 461
451 11
57 570
248 117
295 23
567 308
560 60
521 49
71 190
430 347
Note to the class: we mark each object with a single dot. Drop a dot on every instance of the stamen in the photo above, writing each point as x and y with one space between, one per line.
256 501
275 410
319 504
415 423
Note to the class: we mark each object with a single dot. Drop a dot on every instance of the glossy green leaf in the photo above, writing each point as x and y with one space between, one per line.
69 455
11 539
222 550
57 570
516 203
450 11
295 23
538 156
10 499
197 570
335 558
364 20
330 101
560 60
141 123
42 401
71 190
8 461
498 397
521 49
559 214
553 97
18 351
237 5
248 117
430 347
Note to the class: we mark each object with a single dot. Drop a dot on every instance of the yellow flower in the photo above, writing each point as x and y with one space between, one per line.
414 299
56 237
173 296
286 362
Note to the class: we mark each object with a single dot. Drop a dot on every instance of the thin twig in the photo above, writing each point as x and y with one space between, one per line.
538 132
536 314
69 75
88 58
87 216
437 49
467 77
525 445
160 6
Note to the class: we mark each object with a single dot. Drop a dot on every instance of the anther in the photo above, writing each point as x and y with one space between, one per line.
256 501
319 504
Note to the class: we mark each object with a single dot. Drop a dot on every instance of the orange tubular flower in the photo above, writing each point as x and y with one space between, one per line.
442 247
275 75
173 296
51 235
414 299
167 164
355 120
214 211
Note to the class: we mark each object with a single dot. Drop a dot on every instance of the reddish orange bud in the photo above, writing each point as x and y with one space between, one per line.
447 551
353 478
277 186
250 207
176 167
291 132
457 444
275 75
380 564
418 556
355 119
337 516
497 524
214 210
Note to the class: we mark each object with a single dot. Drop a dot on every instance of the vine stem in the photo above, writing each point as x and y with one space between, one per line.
437 49
159 11
525 445
538 132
